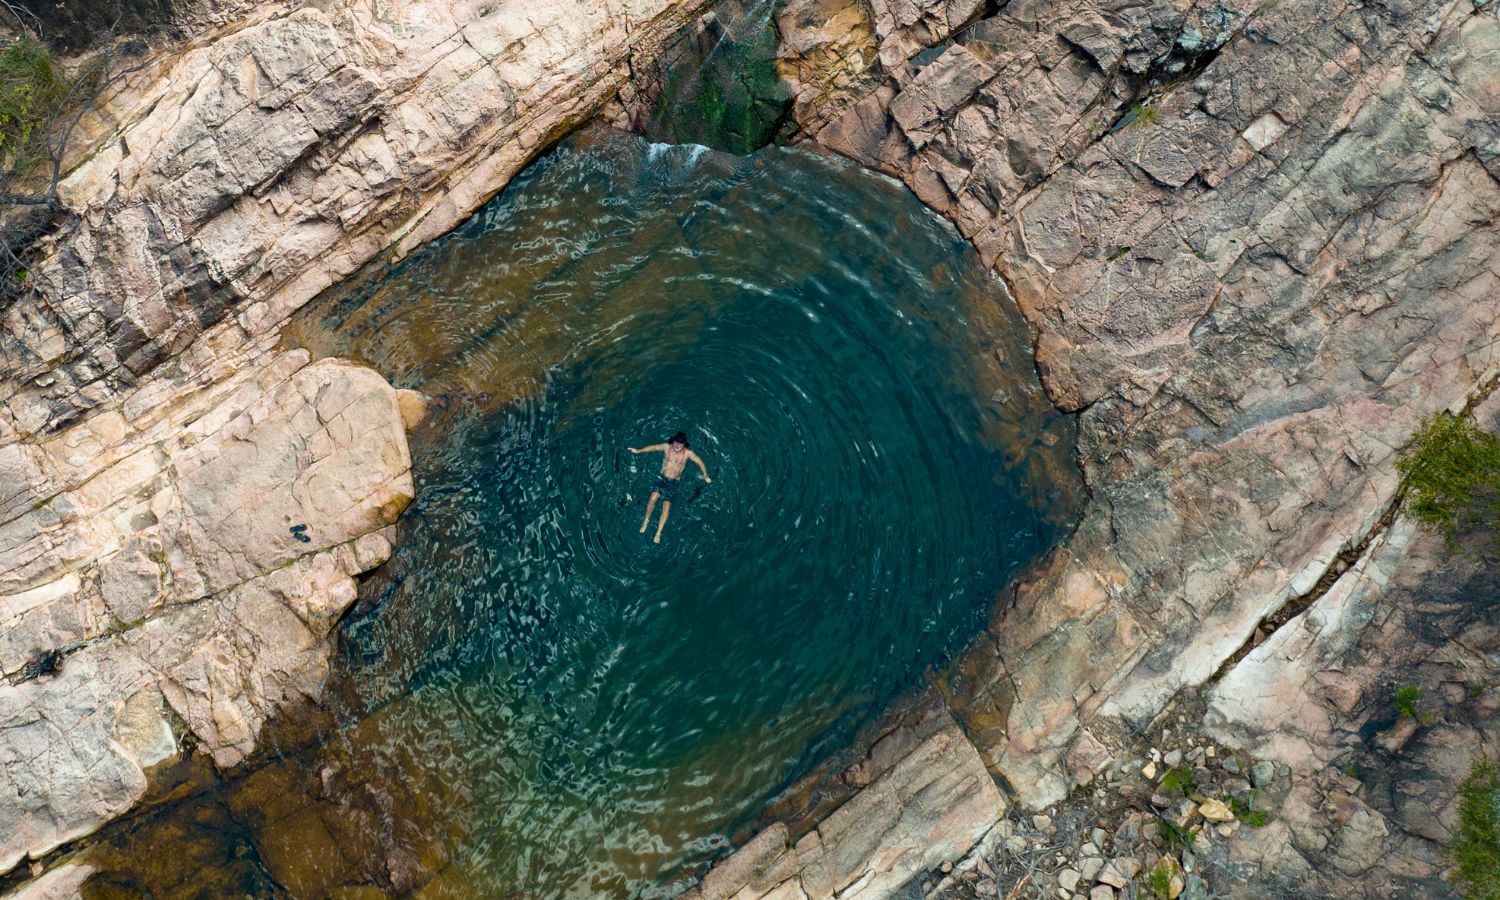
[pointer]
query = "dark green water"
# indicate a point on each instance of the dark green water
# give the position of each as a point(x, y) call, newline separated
point(577, 710)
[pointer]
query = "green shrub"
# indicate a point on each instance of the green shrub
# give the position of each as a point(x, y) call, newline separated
point(1451, 471)
point(31, 92)
point(1406, 700)
point(1476, 842)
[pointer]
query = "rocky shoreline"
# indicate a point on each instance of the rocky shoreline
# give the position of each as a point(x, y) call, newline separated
point(185, 506)
point(1256, 241)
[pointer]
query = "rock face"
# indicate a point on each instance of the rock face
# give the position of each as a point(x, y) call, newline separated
point(1258, 243)
point(929, 801)
point(183, 507)
point(168, 586)
point(232, 180)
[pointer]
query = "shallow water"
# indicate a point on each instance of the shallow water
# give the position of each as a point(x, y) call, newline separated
point(537, 696)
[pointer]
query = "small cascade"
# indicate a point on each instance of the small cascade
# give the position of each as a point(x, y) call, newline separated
point(721, 88)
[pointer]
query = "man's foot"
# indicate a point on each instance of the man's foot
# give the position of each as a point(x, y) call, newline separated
point(644, 524)
point(657, 539)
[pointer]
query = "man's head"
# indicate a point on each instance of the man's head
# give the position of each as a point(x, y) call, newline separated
point(679, 441)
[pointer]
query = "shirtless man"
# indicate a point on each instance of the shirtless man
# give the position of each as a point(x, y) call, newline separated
point(678, 456)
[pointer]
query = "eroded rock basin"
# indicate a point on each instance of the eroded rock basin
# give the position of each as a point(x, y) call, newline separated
point(533, 696)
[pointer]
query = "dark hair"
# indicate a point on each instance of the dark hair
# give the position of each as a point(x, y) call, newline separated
point(679, 438)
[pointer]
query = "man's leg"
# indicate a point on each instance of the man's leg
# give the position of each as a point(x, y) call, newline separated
point(650, 505)
point(666, 510)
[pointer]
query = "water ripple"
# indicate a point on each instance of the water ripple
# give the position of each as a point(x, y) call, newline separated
point(602, 707)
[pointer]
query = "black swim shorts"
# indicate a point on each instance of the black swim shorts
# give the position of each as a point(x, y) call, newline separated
point(667, 487)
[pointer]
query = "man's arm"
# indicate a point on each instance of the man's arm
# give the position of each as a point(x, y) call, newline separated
point(701, 467)
point(654, 448)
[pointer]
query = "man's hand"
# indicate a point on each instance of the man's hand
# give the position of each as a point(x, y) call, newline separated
point(635, 451)
point(707, 480)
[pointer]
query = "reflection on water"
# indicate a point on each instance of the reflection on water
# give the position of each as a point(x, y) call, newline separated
point(537, 699)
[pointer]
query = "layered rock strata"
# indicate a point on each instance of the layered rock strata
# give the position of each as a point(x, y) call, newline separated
point(1258, 242)
point(925, 798)
point(183, 508)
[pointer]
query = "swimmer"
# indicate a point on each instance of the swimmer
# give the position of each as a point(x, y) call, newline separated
point(677, 457)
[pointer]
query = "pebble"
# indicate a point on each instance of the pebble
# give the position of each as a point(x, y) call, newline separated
point(1015, 844)
point(1088, 869)
point(1231, 765)
point(1172, 758)
point(1099, 834)
point(1089, 849)
point(947, 866)
point(1225, 829)
point(1068, 878)
point(1183, 813)
point(1149, 771)
point(1112, 874)
point(1041, 823)
point(1215, 810)
point(1263, 773)
point(1102, 892)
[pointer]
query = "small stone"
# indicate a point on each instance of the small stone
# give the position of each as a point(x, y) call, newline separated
point(1098, 835)
point(1184, 814)
point(1231, 764)
point(1148, 772)
point(1089, 848)
point(1015, 844)
point(947, 866)
point(1041, 823)
point(1172, 758)
point(1263, 773)
point(1195, 755)
point(1089, 869)
point(1161, 801)
point(1068, 878)
point(1215, 810)
point(1225, 829)
point(1209, 751)
point(1102, 892)
point(1064, 894)
point(1114, 874)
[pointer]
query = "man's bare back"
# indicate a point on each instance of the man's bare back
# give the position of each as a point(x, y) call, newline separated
point(676, 456)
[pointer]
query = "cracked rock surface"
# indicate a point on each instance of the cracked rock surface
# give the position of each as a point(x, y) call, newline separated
point(1258, 242)
point(183, 505)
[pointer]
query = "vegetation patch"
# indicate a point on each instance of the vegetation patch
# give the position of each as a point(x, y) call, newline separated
point(1180, 778)
point(1245, 811)
point(32, 90)
point(1451, 471)
point(1140, 114)
point(1476, 843)
point(1406, 700)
